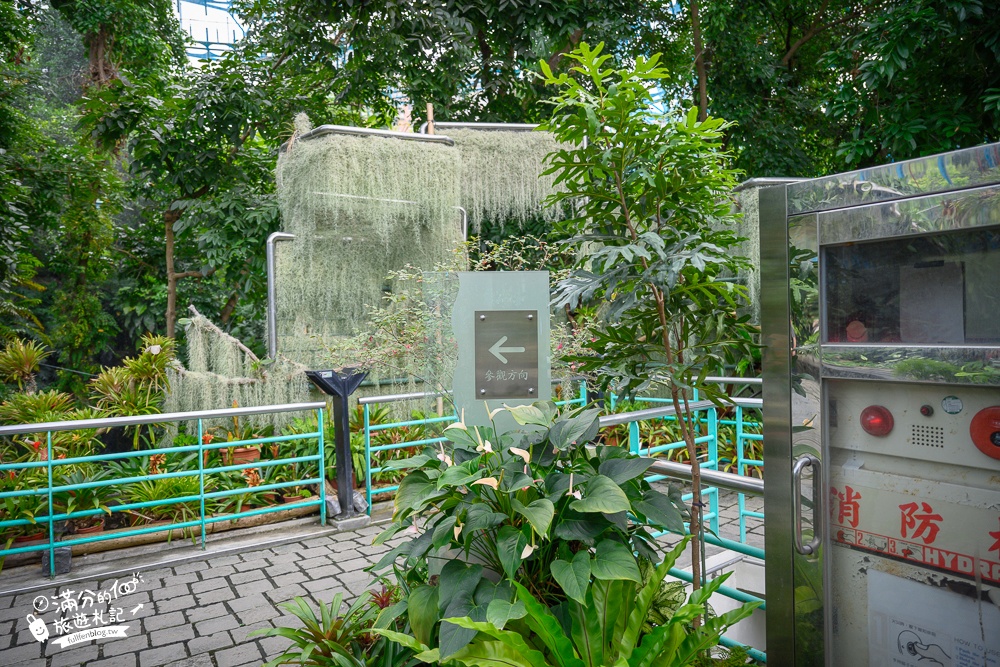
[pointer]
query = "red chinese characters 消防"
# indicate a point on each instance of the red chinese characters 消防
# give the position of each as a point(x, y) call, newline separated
point(848, 508)
point(919, 525)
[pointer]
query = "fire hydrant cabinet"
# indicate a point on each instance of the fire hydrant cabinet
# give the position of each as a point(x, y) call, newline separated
point(881, 321)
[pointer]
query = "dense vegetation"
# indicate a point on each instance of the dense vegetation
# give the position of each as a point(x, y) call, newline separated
point(133, 182)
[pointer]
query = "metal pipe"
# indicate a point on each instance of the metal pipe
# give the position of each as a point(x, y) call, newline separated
point(715, 379)
point(323, 130)
point(649, 413)
point(272, 304)
point(766, 181)
point(508, 127)
point(393, 398)
point(723, 480)
point(110, 422)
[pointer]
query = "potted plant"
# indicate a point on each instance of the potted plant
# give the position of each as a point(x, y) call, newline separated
point(244, 453)
point(26, 507)
point(513, 529)
point(88, 498)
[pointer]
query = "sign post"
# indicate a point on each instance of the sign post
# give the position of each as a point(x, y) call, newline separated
point(501, 324)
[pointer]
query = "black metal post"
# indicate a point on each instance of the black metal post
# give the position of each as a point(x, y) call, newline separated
point(340, 385)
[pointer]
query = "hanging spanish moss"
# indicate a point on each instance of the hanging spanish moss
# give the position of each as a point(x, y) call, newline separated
point(360, 207)
point(223, 372)
point(502, 179)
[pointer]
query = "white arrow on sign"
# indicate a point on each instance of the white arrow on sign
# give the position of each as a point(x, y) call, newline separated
point(498, 351)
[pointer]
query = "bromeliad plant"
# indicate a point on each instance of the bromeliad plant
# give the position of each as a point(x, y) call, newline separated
point(497, 519)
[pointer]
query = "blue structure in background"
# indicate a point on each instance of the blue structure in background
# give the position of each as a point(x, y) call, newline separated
point(211, 26)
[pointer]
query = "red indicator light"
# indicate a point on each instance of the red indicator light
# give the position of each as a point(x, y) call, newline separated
point(985, 431)
point(877, 421)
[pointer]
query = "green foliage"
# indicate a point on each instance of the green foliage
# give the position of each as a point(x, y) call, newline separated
point(336, 639)
point(523, 507)
point(19, 362)
point(899, 98)
point(602, 626)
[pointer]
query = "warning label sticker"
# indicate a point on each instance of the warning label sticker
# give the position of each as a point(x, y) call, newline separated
point(931, 532)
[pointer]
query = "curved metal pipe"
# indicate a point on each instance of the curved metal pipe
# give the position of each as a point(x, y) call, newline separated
point(371, 132)
point(272, 306)
point(504, 127)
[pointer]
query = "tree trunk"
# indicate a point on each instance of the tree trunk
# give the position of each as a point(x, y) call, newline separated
point(169, 218)
point(699, 62)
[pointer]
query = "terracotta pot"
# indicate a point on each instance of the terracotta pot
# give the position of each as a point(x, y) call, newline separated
point(34, 537)
point(88, 530)
point(240, 455)
point(271, 498)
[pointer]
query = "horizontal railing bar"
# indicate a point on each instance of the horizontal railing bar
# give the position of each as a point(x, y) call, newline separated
point(138, 420)
point(263, 510)
point(409, 443)
point(753, 653)
point(395, 398)
point(413, 422)
point(649, 413)
point(716, 379)
point(733, 593)
point(725, 480)
point(262, 488)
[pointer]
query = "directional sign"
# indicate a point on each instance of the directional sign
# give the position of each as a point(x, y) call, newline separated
point(506, 353)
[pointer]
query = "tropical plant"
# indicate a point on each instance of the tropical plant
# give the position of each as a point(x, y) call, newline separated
point(654, 216)
point(601, 625)
point(520, 507)
point(20, 361)
point(333, 638)
point(88, 498)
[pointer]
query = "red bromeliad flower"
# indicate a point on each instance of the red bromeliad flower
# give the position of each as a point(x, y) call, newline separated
point(207, 439)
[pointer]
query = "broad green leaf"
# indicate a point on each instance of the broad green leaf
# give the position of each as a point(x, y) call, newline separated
point(498, 612)
point(422, 608)
point(527, 414)
point(585, 628)
point(481, 517)
point(405, 464)
point(538, 513)
point(645, 598)
point(622, 470)
point(660, 510)
point(577, 430)
point(460, 475)
point(415, 490)
point(614, 560)
point(457, 578)
point(511, 639)
point(547, 628)
point(401, 638)
point(491, 654)
point(602, 495)
point(443, 532)
point(510, 544)
point(573, 576)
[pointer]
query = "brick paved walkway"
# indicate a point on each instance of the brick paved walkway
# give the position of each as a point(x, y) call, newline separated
point(198, 613)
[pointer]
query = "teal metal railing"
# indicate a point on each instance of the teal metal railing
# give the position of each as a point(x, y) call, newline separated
point(49, 517)
point(368, 429)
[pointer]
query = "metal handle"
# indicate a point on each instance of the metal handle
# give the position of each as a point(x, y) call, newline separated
point(801, 464)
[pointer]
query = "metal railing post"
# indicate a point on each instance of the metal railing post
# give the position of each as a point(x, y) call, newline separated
point(51, 508)
point(201, 478)
point(322, 466)
point(368, 457)
point(633, 438)
point(713, 455)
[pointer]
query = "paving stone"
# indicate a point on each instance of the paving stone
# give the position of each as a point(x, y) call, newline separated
point(218, 595)
point(323, 572)
point(244, 577)
point(194, 661)
point(187, 578)
point(6, 601)
point(250, 565)
point(207, 612)
point(219, 561)
point(210, 643)
point(343, 546)
point(161, 621)
point(74, 656)
point(213, 625)
point(238, 655)
point(24, 652)
point(313, 563)
point(320, 589)
point(281, 567)
point(155, 657)
point(282, 549)
point(173, 604)
point(38, 662)
point(285, 593)
point(172, 591)
point(273, 646)
point(124, 660)
point(256, 614)
point(354, 564)
point(180, 633)
point(195, 566)
point(288, 579)
point(127, 645)
point(216, 572)
point(250, 601)
point(314, 552)
point(209, 585)
point(241, 635)
point(323, 541)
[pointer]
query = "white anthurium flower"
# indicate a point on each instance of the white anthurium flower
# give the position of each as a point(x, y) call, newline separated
point(443, 457)
point(485, 447)
point(457, 530)
point(493, 413)
point(523, 453)
point(575, 494)
point(491, 482)
point(412, 530)
point(527, 551)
